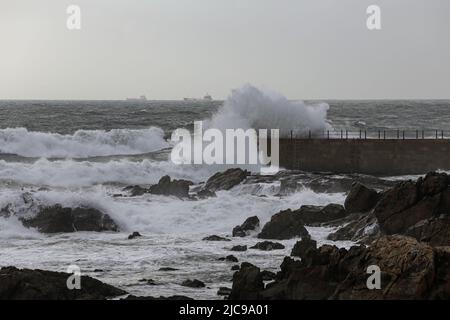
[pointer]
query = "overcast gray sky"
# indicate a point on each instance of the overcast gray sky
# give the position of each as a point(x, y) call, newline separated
point(170, 49)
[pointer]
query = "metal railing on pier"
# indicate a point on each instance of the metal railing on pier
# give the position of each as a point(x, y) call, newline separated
point(367, 134)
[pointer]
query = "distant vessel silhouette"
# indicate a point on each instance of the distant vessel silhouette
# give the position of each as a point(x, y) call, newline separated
point(206, 98)
point(140, 99)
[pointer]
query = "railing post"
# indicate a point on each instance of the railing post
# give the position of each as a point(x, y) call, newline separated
point(379, 134)
point(365, 134)
point(398, 134)
point(342, 134)
point(309, 134)
point(384, 134)
point(328, 134)
point(360, 134)
point(403, 133)
point(423, 134)
point(436, 134)
point(417, 134)
point(291, 134)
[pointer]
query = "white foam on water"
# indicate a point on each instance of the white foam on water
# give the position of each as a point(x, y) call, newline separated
point(82, 144)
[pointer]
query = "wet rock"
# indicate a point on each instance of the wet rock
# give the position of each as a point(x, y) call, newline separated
point(316, 215)
point(433, 183)
point(229, 258)
point(167, 269)
point(360, 198)
point(235, 267)
point(249, 224)
point(268, 246)
point(434, 231)
point(26, 284)
point(360, 227)
point(193, 283)
point(409, 270)
point(135, 191)
point(224, 291)
point(149, 282)
point(168, 187)
point(247, 283)
point(303, 247)
point(268, 275)
point(215, 238)
point(204, 194)
point(134, 235)
point(239, 248)
point(284, 225)
point(56, 219)
point(287, 186)
point(226, 180)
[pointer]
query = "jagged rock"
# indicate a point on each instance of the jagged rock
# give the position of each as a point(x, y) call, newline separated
point(226, 180)
point(268, 275)
point(215, 238)
point(247, 283)
point(57, 219)
point(26, 284)
point(409, 270)
point(235, 267)
point(135, 191)
point(287, 187)
point(268, 246)
point(166, 187)
point(249, 224)
point(284, 225)
point(239, 248)
point(360, 198)
point(167, 269)
point(204, 194)
point(193, 283)
point(361, 228)
point(223, 291)
point(314, 215)
point(302, 247)
point(433, 183)
point(434, 231)
point(134, 235)
point(229, 258)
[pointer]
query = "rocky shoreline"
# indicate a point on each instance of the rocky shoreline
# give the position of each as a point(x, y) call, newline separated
point(401, 227)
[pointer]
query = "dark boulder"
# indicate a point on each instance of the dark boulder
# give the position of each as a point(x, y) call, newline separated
point(434, 231)
point(268, 246)
point(135, 191)
point(316, 215)
point(134, 235)
point(168, 187)
point(235, 267)
point(193, 283)
point(239, 248)
point(205, 194)
point(360, 198)
point(268, 275)
point(57, 219)
point(226, 180)
point(224, 291)
point(284, 225)
point(303, 247)
point(26, 284)
point(167, 269)
point(215, 238)
point(247, 283)
point(249, 224)
point(229, 258)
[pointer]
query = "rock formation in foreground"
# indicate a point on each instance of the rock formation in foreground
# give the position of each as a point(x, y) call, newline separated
point(409, 270)
point(25, 284)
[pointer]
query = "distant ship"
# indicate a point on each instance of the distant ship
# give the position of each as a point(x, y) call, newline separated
point(206, 98)
point(140, 99)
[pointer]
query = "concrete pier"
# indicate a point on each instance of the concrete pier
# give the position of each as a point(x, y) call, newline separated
point(382, 157)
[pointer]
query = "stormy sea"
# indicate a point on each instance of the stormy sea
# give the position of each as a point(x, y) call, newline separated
point(94, 154)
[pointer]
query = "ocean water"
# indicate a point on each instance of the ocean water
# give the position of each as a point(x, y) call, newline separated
point(84, 152)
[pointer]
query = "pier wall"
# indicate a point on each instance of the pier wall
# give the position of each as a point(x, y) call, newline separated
point(367, 156)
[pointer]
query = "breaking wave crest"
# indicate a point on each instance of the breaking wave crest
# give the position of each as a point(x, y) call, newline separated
point(82, 144)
